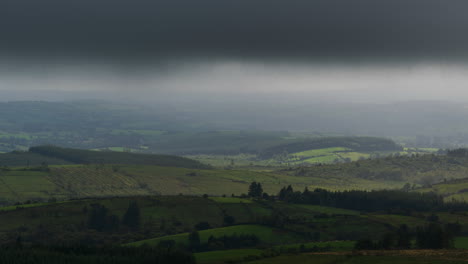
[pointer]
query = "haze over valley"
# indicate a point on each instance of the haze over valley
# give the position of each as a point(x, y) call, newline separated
point(247, 131)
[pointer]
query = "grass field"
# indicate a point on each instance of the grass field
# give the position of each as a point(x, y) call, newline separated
point(20, 135)
point(461, 242)
point(81, 181)
point(221, 256)
point(350, 259)
point(312, 156)
point(326, 155)
point(265, 234)
point(398, 220)
point(458, 197)
point(448, 188)
point(422, 170)
point(320, 152)
point(16, 207)
point(19, 184)
point(421, 150)
point(455, 189)
point(137, 132)
point(230, 200)
point(326, 210)
point(335, 246)
point(173, 217)
point(233, 161)
point(97, 180)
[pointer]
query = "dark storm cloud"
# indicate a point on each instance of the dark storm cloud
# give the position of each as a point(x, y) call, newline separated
point(244, 28)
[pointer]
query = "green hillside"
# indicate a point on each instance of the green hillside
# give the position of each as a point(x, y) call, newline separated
point(418, 170)
point(453, 189)
point(101, 180)
point(79, 156)
point(67, 180)
point(416, 258)
point(267, 235)
point(358, 144)
point(306, 233)
point(52, 155)
point(26, 158)
point(172, 217)
point(128, 174)
point(326, 155)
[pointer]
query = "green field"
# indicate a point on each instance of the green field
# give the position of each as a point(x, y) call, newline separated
point(70, 180)
point(142, 132)
point(234, 161)
point(458, 197)
point(447, 188)
point(327, 210)
point(398, 220)
point(303, 150)
point(222, 256)
point(461, 242)
point(324, 259)
point(75, 181)
point(341, 154)
point(173, 217)
point(455, 189)
point(335, 246)
point(169, 217)
point(320, 152)
point(230, 200)
point(20, 135)
point(153, 174)
point(133, 183)
point(420, 150)
point(266, 235)
point(327, 155)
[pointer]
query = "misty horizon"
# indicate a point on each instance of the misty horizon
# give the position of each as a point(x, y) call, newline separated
point(361, 51)
point(360, 83)
point(218, 56)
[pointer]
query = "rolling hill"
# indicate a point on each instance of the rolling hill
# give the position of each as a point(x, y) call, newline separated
point(359, 144)
point(52, 155)
point(68, 173)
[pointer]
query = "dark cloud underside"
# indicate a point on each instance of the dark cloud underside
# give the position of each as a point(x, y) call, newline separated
point(274, 28)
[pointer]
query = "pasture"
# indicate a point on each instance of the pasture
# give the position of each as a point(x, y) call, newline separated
point(357, 259)
point(98, 180)
point(326, 210)
point(461, 242)
point(222, 256)
point(267, 235)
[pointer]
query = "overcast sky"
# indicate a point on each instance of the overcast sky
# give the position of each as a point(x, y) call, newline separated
point(359, 50)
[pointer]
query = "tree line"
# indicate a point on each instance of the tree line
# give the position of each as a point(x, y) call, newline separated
point(393, 201)
point(18, 254)
point(431, 236)
point(100, 218)
point(217, 243)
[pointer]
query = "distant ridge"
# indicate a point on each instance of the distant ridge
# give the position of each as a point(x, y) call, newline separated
point(354, 143)
point(53, 155)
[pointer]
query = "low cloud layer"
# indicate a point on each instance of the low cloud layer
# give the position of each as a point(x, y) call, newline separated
point(242, 28)
point(241, 81)
point(355, 50)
